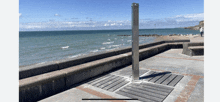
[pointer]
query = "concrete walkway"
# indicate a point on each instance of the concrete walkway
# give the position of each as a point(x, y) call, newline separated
point(190, 88)
point(192, 38)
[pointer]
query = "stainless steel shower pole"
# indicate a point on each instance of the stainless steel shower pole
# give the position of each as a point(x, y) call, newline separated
point(135, 41)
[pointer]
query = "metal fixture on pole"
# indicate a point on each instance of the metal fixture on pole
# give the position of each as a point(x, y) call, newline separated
point(135, 41)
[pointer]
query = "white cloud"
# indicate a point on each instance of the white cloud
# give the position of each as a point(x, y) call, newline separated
point(198, 15)
point(69, 24)
point(106, 24)
point(56, 14)
point(170, 22)
point(113, 24)
point(20, 14)
point(189, 17)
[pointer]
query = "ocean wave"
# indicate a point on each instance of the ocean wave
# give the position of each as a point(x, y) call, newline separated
point(109, 39)
point(128, 40)
point(111, 46)
point(102, 48)
point(95, 50)
point(104, 43)
point(75, 56)
point(112, 49)
point(115, 45)
point(41, 63)
point(107, 50)
point(65, 47)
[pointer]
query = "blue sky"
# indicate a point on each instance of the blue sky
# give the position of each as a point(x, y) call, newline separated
point(107, 14)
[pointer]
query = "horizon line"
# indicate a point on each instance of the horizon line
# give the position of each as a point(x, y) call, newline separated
point(97, 29)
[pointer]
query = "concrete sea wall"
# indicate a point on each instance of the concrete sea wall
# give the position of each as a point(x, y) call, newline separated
point(38, 82)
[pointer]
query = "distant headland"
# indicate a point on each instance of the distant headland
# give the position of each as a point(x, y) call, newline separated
point(201, 24)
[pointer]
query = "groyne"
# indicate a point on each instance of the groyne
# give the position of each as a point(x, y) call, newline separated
point(41, 81)
point(145, 35)
point(156, 35)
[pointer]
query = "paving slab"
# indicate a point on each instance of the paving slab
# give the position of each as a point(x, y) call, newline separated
point(198, 94)
point(72, 95)
point(172, 60)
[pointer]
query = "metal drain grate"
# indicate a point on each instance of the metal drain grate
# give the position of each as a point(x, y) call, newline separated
point(165, 78)
point(109, 82)
point(146, 92)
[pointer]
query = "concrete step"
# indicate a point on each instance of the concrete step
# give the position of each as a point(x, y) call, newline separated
point(196, 47)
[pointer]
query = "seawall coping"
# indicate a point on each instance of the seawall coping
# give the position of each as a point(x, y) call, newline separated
point(40, 79)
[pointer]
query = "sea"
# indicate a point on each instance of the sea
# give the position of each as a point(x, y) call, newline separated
point(37, 47)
